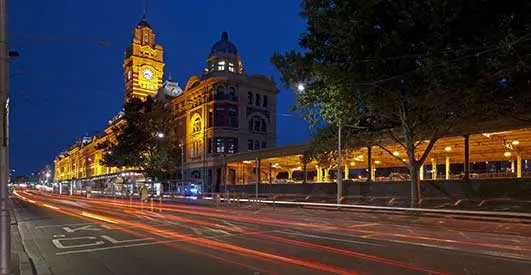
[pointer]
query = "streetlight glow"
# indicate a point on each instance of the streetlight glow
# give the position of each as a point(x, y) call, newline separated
point(507, 154)
point(160, 135)
point(300, 87)
point(448, 149)
point(396, 153)
point(515, 142)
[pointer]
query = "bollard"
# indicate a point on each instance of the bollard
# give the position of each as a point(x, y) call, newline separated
point(160, 203)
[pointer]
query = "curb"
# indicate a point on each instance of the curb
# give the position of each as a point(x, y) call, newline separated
point(22, 264)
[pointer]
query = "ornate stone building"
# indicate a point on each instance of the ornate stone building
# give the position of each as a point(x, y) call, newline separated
point(224, 111)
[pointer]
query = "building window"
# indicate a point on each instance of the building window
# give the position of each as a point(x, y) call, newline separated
point(265, 102)
point(250, 145)
point(256, 145)
point(221, 65)
point(257, 124)
point(263, 144)
point(231, 145)
point(257, 101)
point(231, 67)
point(250, 98)
point(210, 118)
point(220, 145)
point(220, 93)
point(233, 116)
point(232, 94)
point(196, 125)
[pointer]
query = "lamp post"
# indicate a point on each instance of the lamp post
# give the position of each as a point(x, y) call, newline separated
point(339, 176)
point(181, 146)
point(5, 223)
point(301, 88)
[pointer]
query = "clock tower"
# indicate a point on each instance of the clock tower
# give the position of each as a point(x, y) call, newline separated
point(143, 64)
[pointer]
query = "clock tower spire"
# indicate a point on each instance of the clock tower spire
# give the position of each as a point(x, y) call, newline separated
point(143, 63)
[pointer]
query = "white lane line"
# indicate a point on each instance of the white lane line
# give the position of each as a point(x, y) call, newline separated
point(365, 224)
point(487, 253)
point(60, 225)
point(327, 238)
point(112, 247)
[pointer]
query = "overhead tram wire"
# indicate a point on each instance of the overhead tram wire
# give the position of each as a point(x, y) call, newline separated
point(83, 40)
point(488, 49)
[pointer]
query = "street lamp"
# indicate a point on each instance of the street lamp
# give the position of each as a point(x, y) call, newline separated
point(160, 135)
point(301, 88)
point(181, 146)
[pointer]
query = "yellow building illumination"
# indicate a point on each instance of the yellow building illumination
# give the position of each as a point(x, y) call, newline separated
point(143, 64)
point(143, 72)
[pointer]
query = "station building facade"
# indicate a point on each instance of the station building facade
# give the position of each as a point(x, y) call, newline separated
point(222, 111)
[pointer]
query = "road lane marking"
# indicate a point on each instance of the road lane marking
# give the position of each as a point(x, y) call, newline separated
point(112, 247)
point(115, 241)
point(88, 227)
point(487, 253)
point(326, 238)
point(59, 242)
point(60, 225)
point(365, 224)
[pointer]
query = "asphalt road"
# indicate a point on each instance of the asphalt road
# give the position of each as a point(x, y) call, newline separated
point(74, 235)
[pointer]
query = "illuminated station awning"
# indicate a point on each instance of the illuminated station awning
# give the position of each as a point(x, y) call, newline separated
point(504, 146)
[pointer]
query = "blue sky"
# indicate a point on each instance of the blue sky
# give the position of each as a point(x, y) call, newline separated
point(64, 85)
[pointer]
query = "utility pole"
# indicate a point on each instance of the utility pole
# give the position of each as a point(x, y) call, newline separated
point(5, 223)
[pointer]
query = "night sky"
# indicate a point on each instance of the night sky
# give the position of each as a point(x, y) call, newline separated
point(64, 85)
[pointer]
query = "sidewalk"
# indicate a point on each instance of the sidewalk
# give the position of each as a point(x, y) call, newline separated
point(21, 262)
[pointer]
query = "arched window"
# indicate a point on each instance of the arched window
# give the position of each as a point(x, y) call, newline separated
point(232, 94)
point(221, 93)
point(196, 125)
point(221, 65)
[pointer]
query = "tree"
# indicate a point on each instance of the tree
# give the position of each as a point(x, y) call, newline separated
point(412, 70)
point(144, 139)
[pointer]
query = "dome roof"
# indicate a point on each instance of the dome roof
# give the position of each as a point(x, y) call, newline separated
point(224, 46)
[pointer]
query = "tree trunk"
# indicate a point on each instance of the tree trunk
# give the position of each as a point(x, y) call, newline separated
point(415, 185)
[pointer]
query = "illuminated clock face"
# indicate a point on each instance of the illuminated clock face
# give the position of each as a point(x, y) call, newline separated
point(148, 74)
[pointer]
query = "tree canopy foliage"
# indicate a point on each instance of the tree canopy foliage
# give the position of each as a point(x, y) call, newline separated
point(411, 69)
point(144, 140)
